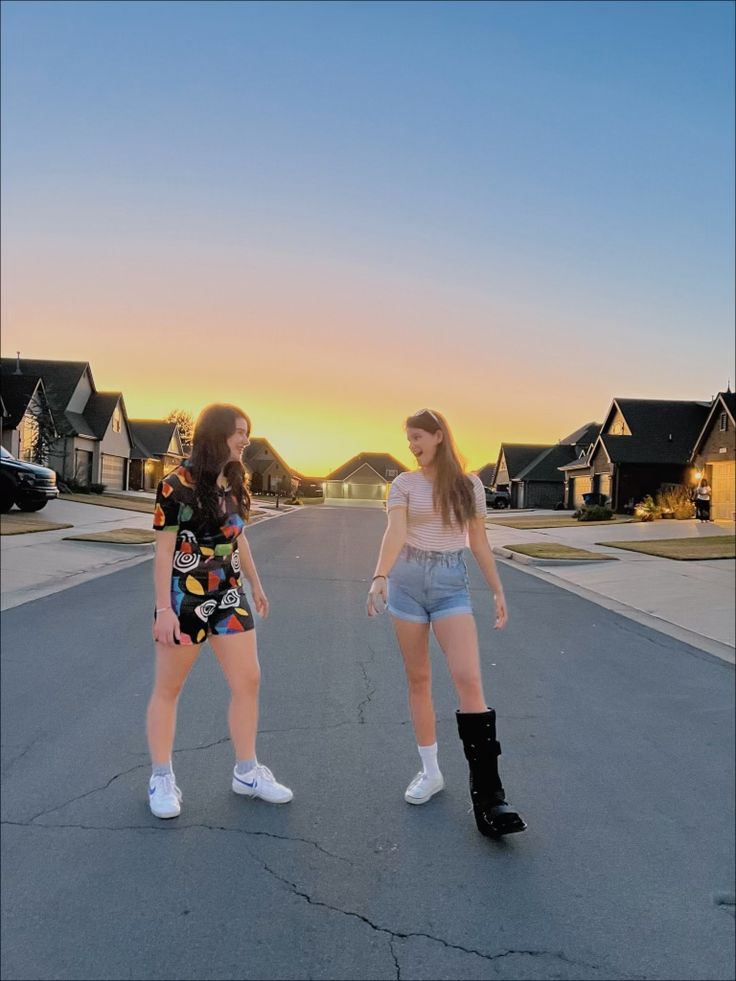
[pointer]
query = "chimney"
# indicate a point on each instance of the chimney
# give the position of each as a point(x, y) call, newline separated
point(17, 363)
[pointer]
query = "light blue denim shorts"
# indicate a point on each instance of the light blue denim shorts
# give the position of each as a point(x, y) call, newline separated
point(426, 586)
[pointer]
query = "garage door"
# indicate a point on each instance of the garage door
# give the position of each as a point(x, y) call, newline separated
point(113, 471)
point(723, 502)
point(583, 485)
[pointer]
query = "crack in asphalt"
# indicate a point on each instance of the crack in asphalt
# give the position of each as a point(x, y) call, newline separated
point(370, 692)
point(166, 829)
point(391, 943)
point(399, 935)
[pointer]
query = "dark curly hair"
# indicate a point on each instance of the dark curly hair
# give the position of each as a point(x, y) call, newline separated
point(211, 454)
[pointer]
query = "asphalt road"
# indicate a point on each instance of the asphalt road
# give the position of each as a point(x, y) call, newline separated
point(618, 748)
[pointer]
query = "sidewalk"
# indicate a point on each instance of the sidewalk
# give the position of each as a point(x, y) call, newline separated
point(40, 563)
point(692, 601)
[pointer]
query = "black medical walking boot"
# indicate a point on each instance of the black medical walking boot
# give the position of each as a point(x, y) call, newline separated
point(493, 815)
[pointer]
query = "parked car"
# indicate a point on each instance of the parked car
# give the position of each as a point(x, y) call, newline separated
point(497, 499)
point(28, 485)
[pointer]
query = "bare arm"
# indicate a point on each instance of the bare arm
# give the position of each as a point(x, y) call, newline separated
point(483, 555)
point(248, 569)
point(166, 625)
point(393, 541)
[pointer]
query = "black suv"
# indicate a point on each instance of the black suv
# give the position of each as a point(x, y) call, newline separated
point(497, 499)
point(26, 484)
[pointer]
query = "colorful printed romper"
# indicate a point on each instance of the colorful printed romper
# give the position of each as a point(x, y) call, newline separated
point(206, 590)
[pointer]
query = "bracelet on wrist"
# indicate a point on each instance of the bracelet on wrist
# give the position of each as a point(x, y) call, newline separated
point(162, 609)
point(377, 577)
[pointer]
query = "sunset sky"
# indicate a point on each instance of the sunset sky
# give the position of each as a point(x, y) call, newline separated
point(334, 214)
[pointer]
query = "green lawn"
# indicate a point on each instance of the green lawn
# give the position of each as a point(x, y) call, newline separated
point(684, 549)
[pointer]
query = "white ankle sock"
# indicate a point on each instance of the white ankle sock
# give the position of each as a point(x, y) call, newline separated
point(429, 759)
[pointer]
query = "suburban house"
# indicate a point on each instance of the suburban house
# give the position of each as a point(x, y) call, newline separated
point(268, 472)
point(487, 474)
point(93, 444)
point(364, 479)
point(714, 456)
point(24, 404)
point(642, 444)
point(156, 450)
point(531, 472)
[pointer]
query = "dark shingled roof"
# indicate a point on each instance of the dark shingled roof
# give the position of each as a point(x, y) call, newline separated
point(18, 390)
point(60, 378)
point(662, 431)
point(99, 409)
point(151, 437)
point(381, 462)
point(518, 456)
point(487, 474)
point(546, 466)
point(583, 436)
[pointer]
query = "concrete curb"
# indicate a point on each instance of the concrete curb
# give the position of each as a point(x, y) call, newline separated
point(506, 553)
point(700, 642)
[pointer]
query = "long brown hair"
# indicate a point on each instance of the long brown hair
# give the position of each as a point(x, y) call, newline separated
point(452, 491)
point(211, 454)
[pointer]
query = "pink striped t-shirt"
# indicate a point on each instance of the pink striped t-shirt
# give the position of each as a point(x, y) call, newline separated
point(425, 529)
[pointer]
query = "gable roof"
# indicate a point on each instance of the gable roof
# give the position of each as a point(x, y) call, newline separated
point(17, 392)
point(151, 438)
point(723, 402)
point(99, 409)
point(256, 462)
point(518, 456)
point(487, 474)
point(662, 430)
point(60, 379)
point(380, 462)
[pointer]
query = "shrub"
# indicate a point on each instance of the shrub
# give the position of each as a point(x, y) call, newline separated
point(596, 512)
point(676, 499)
point(647, 509)
point(96, 488)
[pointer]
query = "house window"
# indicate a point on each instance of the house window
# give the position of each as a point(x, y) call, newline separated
point(724, 423)
point(116, 421)
point(392, 473)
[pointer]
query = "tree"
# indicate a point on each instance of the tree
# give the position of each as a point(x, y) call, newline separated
point(185, 422)
point(44, 430)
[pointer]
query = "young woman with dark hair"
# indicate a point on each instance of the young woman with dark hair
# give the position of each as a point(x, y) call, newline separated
point(201, 553)
point(433, 513)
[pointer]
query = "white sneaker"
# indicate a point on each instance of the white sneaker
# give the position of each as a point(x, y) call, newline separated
point(260, 782)
point(164, 797)
point(423, 787)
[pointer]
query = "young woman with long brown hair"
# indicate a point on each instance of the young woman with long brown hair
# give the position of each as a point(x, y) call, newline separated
point(433, 513)
point(201, 553)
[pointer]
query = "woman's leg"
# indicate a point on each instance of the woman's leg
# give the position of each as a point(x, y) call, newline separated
point(173, 664)
point(458, 637)
point(238, 657)
point(413, 641)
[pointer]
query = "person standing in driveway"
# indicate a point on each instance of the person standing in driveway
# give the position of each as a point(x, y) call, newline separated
point(201, 553)
point(433, 513)
point(702, 500)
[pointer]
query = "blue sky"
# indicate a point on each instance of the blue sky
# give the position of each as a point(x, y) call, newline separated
point(475, 199)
